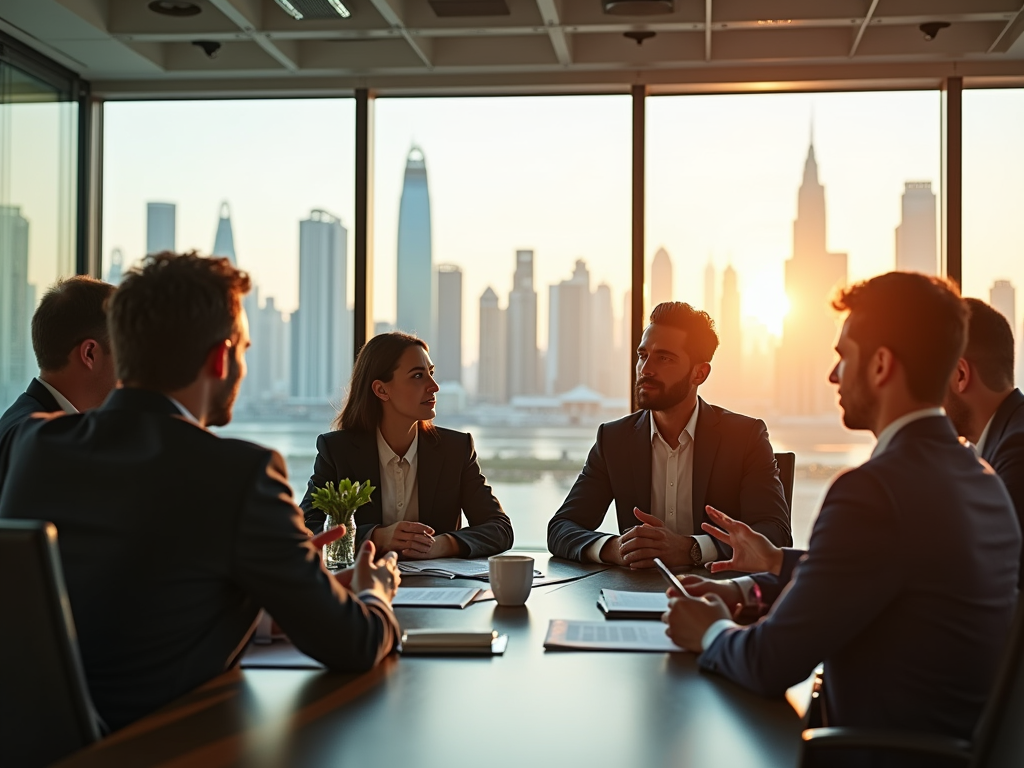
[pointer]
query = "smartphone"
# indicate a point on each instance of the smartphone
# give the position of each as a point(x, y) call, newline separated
point(670, 577)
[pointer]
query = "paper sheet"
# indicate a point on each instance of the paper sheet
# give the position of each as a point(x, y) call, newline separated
point(606, 636)
point(435, 597)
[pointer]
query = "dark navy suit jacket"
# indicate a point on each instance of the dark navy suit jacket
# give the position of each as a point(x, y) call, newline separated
point(911, 637)
point(734, 470)
point(35, 399)
point(171, 540)
point(448, 478)
point(1004, 450)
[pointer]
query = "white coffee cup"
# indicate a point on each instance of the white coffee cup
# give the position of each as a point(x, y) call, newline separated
point(511, 578)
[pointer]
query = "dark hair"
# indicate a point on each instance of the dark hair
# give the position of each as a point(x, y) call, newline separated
point(990, 345)
point(921, 319)
point(701, 339)
point(168, 314)
point(72, 311)
point(377, 360)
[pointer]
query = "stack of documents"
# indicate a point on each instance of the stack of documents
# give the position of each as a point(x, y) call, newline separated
point(443, 643)
point(617, 604)
point(437, 597)
point(450, 568)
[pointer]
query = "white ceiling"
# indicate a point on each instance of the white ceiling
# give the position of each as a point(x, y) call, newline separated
point(401, 46)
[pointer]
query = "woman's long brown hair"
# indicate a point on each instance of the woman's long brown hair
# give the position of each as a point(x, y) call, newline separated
point(378, 359)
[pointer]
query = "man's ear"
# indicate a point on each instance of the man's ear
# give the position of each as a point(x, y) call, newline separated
point(961, 376)
point(882, 366)
point(217, 363)
point(86, 352)
point(700, 374)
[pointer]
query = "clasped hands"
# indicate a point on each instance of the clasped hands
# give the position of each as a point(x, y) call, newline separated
point(414, 541)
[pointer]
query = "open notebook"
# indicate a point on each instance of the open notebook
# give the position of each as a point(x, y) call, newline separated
point(618, 604)
point(450, 568)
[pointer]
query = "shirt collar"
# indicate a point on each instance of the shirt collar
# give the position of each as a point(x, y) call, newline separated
point(690, 428)
point(984, 434)
point(183, 410)
point(387, 455)
point(895, 426)
point(62, 401)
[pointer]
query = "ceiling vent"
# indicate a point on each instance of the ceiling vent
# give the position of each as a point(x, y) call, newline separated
point(449, 9)
point(315, 9)
point(639, 7)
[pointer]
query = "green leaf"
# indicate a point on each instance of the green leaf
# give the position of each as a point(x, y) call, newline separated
point(342, 502)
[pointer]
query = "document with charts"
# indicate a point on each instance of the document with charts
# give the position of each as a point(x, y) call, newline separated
point(436, 597)
point(604, 636)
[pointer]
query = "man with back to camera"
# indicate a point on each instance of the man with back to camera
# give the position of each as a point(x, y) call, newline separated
point(72, 348)
point(172, 538)
point(910, 638)
point(662, 464)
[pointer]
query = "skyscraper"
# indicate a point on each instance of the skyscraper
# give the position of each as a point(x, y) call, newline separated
point(322, 326)
point(915, 236)
point(728, 373)
point(568, 363)
point(521, 321)
point(491, 377)
point(627, 349)
point(224, 241)
point(269, 373)
point(116, 269)
point(415, 307)
point(808, 334)
point(448, 356)
point(709, 289)
point(17, 302)
point(661, 278)
point(1003, 296)
point(603, 363)
point(160, 227)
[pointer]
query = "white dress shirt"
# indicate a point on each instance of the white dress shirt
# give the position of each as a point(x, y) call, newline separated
point(671, 489)
point(62, 401)
point(746, 583)
point(399, 486)
point(980, 447)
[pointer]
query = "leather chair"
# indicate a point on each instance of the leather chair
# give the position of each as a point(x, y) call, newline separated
point(787, 472)
point(998, 740)
point(45, 709)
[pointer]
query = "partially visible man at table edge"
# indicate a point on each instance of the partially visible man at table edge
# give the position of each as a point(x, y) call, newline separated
point(885, 623)
point(72, 349)
point(172, 538)
point(661, 465)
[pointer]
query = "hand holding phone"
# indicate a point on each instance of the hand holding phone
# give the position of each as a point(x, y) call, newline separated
point(670, 577)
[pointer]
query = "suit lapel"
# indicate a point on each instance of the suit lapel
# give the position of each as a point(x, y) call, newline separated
point(42, 395)
point(430, 461)
point(641, 461)
point(1000, 419)
point(705, 446)
point(365, 463)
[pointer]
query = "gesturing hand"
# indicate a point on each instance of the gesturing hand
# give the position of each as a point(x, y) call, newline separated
point(751, 552)
point(381, 577)
point(641, 544)
point(688, 618)
point(404, 536)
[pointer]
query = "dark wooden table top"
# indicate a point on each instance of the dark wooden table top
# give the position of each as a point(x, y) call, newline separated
point(530, 707)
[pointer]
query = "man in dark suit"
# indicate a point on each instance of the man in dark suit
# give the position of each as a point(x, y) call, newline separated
point(72, 348)
point(910, 640)
point(172, 538)
point(983, 404)
point(664, 464)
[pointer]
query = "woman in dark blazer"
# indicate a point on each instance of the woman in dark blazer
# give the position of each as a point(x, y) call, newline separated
point(425, 477)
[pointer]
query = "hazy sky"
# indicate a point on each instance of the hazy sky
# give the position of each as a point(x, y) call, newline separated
point(553, 174)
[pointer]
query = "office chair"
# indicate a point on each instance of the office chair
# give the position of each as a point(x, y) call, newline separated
point(45, 708)
point(787, 472)
point(998, 739)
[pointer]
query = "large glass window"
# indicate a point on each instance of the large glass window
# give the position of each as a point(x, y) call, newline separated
point(38, 135)
point(269, 184)
point(993, 199)
point(757, 206)
point(502, 236)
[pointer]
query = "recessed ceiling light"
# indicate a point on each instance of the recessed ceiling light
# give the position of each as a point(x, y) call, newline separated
point(315, 9)
point(174, 8)
point(639, 7)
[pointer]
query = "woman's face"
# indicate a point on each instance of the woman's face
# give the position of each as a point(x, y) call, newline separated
point(410, 393)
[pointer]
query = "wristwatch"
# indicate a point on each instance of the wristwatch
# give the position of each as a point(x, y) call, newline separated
point(696, 554)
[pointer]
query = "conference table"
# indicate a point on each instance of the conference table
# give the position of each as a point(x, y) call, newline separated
point(526, 707)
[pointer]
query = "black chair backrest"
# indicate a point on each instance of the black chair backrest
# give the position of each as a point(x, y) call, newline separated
point(787, 472)
point(45, 709)
point(999, 737)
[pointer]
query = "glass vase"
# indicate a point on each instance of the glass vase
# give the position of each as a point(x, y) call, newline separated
point(340, 553)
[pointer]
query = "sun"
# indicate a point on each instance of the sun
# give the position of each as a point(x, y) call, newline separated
point(766, 304)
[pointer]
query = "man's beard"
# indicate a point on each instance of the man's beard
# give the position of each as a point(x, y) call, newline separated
point(860, 405)
point(224, 400)
point(663, 399)
point(958, 412)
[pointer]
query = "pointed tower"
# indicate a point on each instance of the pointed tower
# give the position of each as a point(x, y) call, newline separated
point(661, 278)
point(415, 308)
point(224, 242)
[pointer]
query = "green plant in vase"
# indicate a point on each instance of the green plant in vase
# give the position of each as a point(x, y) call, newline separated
point(340, 505)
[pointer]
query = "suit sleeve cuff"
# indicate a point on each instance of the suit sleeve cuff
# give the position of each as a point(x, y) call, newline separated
point(592, 554)
point(708, 550)
point(711, 633)
point(369, 596)
point(750, 590)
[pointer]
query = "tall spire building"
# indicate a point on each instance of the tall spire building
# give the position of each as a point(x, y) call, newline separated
point(491, 378)
point(916, 244)
point(809, 329)
point(521, 321)
point(416, 281)
point(224, 241)
point(661, 278)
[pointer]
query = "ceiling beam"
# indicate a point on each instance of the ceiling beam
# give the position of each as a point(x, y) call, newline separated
point(552, 23)
point(707, 30)
point(1018, 20)
point(385, 8)
point(249, 28)
point(863, 28)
